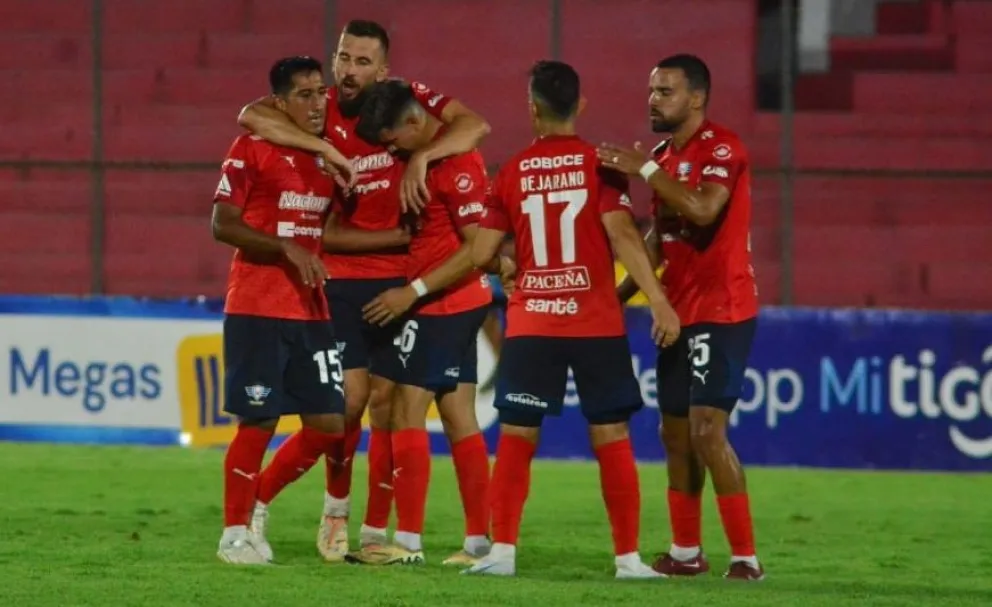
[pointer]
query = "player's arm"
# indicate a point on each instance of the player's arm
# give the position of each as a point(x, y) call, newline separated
point(628, 287)
point(262, 118)
point(228, 226)
point(339, 238)
point(466, 130)
point(633, 254)
point(700, 206)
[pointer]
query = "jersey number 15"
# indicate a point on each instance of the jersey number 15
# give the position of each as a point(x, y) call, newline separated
point(534, 207)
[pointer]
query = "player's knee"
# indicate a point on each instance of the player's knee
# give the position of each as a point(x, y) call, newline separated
point(380, 405)
point(327, 423)
point(268, 424)
point(707, 430)
point(512, 419)
point(606, 433)
point(675, 436)
point(530, 433)
point(458, 419)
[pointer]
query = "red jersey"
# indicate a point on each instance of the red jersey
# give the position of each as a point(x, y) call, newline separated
point(458, 187)
point(281, 192)
point(709, 276)
point(552, 196)
point(374, 204)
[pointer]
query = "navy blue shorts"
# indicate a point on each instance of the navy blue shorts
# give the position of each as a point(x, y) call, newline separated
point(705, 367)
point(362, 345)
point(275, 367)
point(439, 352)
point(533, 371)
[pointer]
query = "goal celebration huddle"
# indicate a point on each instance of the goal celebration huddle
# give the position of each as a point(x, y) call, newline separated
point(366, 233)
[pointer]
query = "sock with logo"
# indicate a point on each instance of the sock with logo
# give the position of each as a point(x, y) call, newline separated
point(380, 457)
point(735, 512)
point(341, 460)
point(411, 477)
point(471, 460)
point(241, 465)
point(292, 460)
point(510, 486)
point(621, 493)
point(685, 512)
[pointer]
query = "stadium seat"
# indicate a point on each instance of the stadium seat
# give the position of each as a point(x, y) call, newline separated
point(52, 16)
point(206, 50)
point(49, 191)
point(44, 50)
point(161, 193)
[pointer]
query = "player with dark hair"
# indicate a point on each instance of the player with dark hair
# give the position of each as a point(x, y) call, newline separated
point(566, 211)
point(437, 345)
point(280, 355)
point(701, 178)
point(366, 254)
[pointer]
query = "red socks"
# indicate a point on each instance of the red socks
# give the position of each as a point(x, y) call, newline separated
point(685, 514)
point(412, 472)
point(472, 468)
point(621, 493)
point(380, 457)
point(292, 460)
point(735, 512)
point(241, 465)
point(341, 461)
point(510, 486)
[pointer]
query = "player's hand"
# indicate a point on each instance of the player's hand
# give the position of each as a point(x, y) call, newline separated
point(414, 194)
point(311, 269)
point(337, 166)
point(507, 274)
point(389, 305)
point(625, 160)
point(665, 325)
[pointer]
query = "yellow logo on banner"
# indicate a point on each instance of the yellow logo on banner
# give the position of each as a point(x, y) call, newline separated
point(200, 362)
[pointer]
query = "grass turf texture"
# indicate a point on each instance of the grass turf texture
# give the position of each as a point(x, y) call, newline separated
point(139, 526)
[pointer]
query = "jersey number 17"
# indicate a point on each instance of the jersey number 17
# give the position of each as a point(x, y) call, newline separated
point(534, 207)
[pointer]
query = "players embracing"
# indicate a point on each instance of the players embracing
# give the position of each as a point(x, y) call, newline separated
point(701, 180)
point(366, 255)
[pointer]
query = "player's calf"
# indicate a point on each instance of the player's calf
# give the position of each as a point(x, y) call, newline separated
point(709, 439)
point(686, 478)
point(471, 460)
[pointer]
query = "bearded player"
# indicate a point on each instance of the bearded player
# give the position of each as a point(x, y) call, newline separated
point(366, 254)
point(701, 178)
point(567, 214)
point(280, 356)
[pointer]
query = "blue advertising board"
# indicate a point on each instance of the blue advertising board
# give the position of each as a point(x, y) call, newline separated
point(823, 388)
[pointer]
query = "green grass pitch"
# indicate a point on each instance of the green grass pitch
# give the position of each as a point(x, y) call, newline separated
point(107, 526)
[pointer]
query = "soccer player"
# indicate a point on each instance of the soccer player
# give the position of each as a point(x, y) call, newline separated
point(366, 254)
point(280, 356)
point(437, 346)
point(566, 211)
point(701, 179)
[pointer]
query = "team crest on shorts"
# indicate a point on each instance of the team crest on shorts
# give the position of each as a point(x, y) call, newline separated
point(257, 393)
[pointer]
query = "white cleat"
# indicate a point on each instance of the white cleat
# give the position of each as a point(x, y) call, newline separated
point(240, 552)
point(332, 538)
point(629, 569)
point(488, 565)
point(257, 529)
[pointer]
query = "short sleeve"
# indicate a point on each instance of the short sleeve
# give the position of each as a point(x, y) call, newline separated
point(494, 216)
point(237, 174)
point(433, 101)
point(614, 191)
point(723, 164)
point(462, 184)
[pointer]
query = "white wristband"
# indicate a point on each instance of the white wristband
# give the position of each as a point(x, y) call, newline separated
point(649, 168)
point(419, 287)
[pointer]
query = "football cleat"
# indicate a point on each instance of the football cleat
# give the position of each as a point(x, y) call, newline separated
point(462, 558)
point(740, 570)
point(488, 565)
point(386, 554)
point(240, 552)
point(636, 570)
point(671, 566)
point(332, 538)
point(256, 532)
